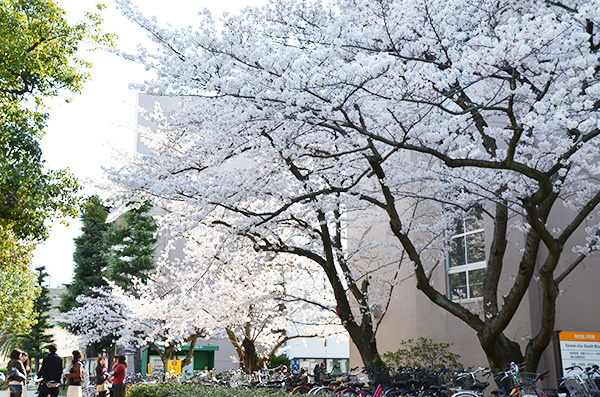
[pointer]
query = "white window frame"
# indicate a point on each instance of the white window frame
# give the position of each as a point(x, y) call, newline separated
point(466, 268)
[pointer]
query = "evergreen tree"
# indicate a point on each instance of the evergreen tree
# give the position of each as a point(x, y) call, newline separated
point(89, 255)
point(35, 341)
point(132, 239)
point(90, 265)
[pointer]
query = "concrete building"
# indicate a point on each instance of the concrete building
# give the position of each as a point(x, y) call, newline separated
point(55, 294)
point(65, 341)
point(411, 314)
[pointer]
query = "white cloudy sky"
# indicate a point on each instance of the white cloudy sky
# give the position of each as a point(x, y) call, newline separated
point(83, 135)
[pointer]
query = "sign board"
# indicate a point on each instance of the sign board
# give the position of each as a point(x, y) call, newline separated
point(295, 364)
point(155, 365)
point(175, 365)
point(129, 351)
point(579, 348)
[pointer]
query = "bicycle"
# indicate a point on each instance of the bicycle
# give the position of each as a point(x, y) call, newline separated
point(582, 384)
point(329, 385)
point(466, 384)
point(519, 384)
point(88, 391)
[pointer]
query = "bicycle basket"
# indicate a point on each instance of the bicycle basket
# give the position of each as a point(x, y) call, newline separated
point(527, 377)
point(504, 382)
point(593, 383)
point(383, 378)
point(574, 387)
point(432, 380)
point(464, 381)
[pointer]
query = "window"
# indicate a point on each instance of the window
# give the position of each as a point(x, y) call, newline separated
point(466, 258)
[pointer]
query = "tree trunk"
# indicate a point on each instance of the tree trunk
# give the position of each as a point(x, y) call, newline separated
point(251, 362)
point(368, 351)
point(190, 354)
point(501, 351)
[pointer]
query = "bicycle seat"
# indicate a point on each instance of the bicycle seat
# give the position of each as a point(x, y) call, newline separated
point(479, 386)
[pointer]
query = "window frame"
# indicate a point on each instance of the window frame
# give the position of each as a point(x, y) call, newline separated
point(467, 267)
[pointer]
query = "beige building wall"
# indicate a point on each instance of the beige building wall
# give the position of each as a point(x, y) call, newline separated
point(411, 314)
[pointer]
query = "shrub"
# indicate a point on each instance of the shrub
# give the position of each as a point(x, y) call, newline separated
point(424, 353)
point(179, 390)
point(276, 361)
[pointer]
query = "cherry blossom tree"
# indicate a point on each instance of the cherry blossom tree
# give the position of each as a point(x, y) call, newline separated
point(301, 121)
point(269, 304)
point(258, 303)
point(159, 313)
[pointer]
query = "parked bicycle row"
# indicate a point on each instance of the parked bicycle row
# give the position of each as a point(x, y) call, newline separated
point(480, 382)
point(406, 382)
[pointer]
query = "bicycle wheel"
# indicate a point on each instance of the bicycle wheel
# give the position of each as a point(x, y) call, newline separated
point(300, 390)
point(394, 392)
point(322, 391)
point(466, 394)
point(349, 392)
point(88, 391)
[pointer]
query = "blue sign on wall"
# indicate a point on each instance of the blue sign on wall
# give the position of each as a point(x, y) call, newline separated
point(295, 364)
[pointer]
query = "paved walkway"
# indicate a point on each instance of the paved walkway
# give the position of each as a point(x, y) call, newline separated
point(30, 393)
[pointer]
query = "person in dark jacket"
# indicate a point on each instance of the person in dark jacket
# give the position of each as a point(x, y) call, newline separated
point(102, 376)
point(317, 374)
point(51, 373)
point(15, 385)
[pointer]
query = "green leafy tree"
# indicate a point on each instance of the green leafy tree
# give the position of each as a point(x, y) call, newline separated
point(37, 61)
point(35, 341)
point(18, 283)
point(132, 239)
point(423, 353)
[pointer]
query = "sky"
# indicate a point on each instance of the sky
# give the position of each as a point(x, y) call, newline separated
point(98, 124)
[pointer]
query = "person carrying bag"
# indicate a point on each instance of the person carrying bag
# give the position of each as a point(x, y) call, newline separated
point(16, 374)
point(75, 376)
point(51, 373)
point(102, 376)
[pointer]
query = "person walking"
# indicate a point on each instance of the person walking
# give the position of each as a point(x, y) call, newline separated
point(102, 376)
point(323, 372)
point(303, 376)
point(118, 376)
point(51, 373)
point(317, 374)
point(15, 381)
point(25, 361)
point(75, 376)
